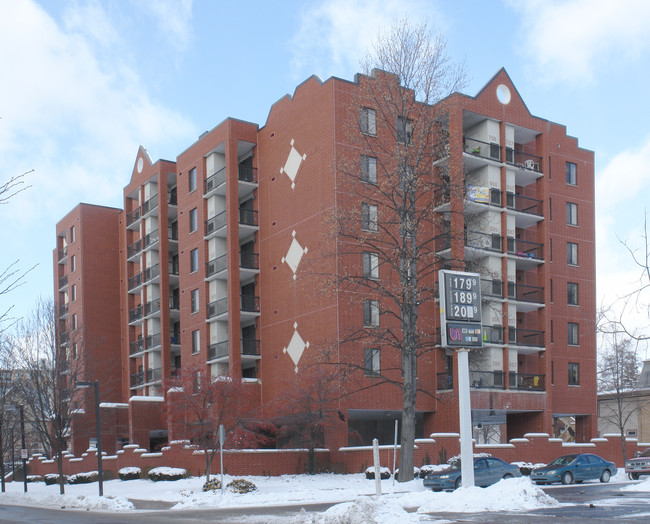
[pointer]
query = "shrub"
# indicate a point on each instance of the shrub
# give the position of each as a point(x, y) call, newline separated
point(130, 473)
point(163, 473)
point(84, 478)
point(34, 478)
point(241, 486)
point(53, 478)
point(212, 485)
point(384, 473)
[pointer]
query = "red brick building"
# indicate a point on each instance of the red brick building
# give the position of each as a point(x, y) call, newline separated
point(232, 258)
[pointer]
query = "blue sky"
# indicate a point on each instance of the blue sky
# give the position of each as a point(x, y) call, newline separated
point(86, 82)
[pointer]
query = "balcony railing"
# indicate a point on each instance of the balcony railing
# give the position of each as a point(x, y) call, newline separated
point(135, 314)
point(485, 241)
point(63, 253)
point(525, 248)
point(525, 337)
point(250, 303)
point(149, 239)
point(142, 344)
point(247, 217)
point(524, 160)
point(486, 379)
point(493, 334)
point(482, 149)
point(248, 174)
point(215, 223)
point(63, 310)
point(152, 307)
point(64, 337)
point(145, 377)
point(216, 265)
point(218, 307)
point(524, 293)
point(172, 233)
point(135, 281)
point(250, 346)
point(133, 216)
point(527, 381)
point(150, 273)
point(218, 350)
point(134, 248)
point(63, 281)
point(523, 204)
point(249, 260)
point(150, 205)
point(215, 180)
point(444, 381)
point(491, 288)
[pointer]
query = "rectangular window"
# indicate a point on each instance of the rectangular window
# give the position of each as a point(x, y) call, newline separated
point(74, 351)
point(194, 260)
point(372, 362)
point(191, 179)
point(552, 373)
point(404, 130)
point(74, 321)
point(72, 234)
point(574, 374)
point(370, 265)
point(368, 217)
point(572, 253)
point(196, 382)
point(371, 313)
point(572, 334)
point(572, 293)
point(550, 249)
point(73, 292)
point(368, 121)
point(369, 169)
point(551, 289)
point(195, 301)
point(73, 264)
point(194, 220)
point(550, 209)
point(552, 332)
point(571, 176)
point(571, 214)
point(196, 341)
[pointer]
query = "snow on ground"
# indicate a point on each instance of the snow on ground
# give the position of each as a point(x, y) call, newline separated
point(353, 493)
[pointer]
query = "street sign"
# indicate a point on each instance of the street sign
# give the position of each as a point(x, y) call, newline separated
point(460, 309)
point(24, 455)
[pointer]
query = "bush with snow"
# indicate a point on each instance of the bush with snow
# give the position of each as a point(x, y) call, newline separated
point(53, 478)
point(241, 486)
point(129, 473)
point(34, 478)
point(384, 473)
point(83, 478)
point(212, 485)
point(164, 473)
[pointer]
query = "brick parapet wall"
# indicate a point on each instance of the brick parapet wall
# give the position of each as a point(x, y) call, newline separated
point(534, 448)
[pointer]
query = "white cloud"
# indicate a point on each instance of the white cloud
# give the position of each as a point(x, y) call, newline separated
point(173, 17)
point(569, 40)
point(334, 35)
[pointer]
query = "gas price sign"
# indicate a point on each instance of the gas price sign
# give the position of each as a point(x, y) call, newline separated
point(460, 308)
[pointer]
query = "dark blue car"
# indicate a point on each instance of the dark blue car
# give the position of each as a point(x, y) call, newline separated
point(574, 468)
point(487, 471)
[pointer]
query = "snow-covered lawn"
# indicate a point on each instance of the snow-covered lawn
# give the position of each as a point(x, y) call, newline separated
point(354, 493)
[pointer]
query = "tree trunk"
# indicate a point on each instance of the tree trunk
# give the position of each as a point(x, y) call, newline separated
point(208, 461)
point(59, 466)
point(407, 440)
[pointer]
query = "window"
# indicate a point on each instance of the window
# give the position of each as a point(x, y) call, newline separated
point(73, 292)
point(369, 169)
point(195, 301)
point(194, 220)
point(196, 382)
point(572, 293)
point(574, 374)
point(368, 217)
point(571, 214)
point(572, 253)
point(372, 362)
point(552, 331)
point(571, 177)
point(572, 334)
point(191, 179)
point(371, 313)
point(370, 265)
point(194, 260)
point(73, 264)
point(74, 321)
point(404, 130)
point(368, 121)
point(72, 234)
point(196, 341)
point(74, 351)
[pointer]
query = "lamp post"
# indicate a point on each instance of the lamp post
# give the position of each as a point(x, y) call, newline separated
point(13, 456)
point(98, 422)
point(23, 450)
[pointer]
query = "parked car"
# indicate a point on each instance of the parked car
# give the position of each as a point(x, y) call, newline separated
point(574, 468)
point(487, 471)
point(639, 465)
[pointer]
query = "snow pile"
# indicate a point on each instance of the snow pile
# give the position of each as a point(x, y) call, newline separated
point(642, 485)
point(69, 501)
point(363, 511)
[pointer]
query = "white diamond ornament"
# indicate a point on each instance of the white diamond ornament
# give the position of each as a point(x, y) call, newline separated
point(294, 255)
point(296, 347)
point(292, 165)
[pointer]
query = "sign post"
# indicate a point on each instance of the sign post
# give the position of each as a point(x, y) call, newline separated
point(222, 437)
point(460, 322)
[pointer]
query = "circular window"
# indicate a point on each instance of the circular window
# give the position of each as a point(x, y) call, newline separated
point(140, 165)
point(503, 94)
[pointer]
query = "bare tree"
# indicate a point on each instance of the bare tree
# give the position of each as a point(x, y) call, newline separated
point(618, 374)
point(7, 407)
point(403, 130)
point(47, 379)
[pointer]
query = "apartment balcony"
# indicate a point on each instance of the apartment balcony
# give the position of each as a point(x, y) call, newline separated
point(527, 167)
point(63, 311)
point(141, 345)
point(527, 340)
point(527, 382)
point(477, 153)
point(527, 298)
point(249, 308)
point(172, 237)
point(150, 240)
point(217, 268)
point(491, 289)
point(215, 184)
point(135, 283)
point(63, 282)
point(527, 211)
point(250, 350)
point(477, 199)
point(526, 253)
point(174, 271)
point(216, 226)
point(487, 380)
point(493, 335)
point(247, 222)
point(64, 338)
point(249, 265)
point(477, 244)
point(150, 207)
point(144, 378)
point(63, 255)
point(133, 250)
point(444, 381)
point(150, 274)
point(135, 315)
point(133, 219)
